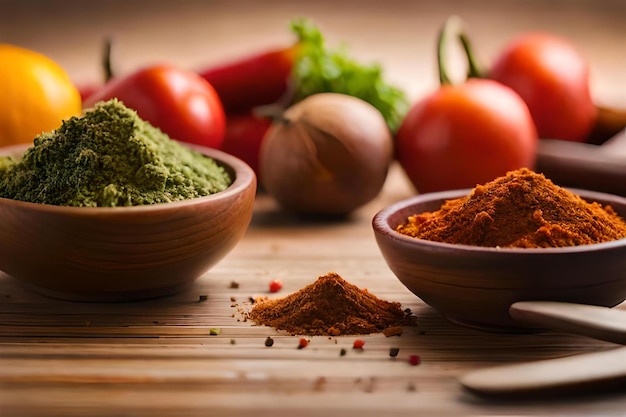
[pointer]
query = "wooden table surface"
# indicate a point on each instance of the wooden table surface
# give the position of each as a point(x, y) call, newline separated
point(157, 358)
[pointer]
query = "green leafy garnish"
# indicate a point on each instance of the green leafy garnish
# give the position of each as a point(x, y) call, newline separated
point(318, 69)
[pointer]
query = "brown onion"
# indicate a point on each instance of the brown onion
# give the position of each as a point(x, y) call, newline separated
point(328, 154)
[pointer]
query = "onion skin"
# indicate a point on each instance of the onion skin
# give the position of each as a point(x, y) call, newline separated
point(327, 155)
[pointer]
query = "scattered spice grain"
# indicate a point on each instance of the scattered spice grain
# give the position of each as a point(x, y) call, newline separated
point(343, 352)
point(358, 344)
point(203, 298)
point(522, 209)
point(330, 306)
point(393, 331)
point(370, 384)
point(276, 285)
point(393, 352)
point(320, 382)
point(215, 331)
point(415, 360)
point(269, 342)
point(234, 285)
point(302, 343)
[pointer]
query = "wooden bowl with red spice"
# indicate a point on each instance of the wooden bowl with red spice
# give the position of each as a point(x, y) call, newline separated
point(109, 254)
point(475, 285)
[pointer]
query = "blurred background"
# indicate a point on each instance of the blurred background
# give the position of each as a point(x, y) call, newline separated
point(399, 34)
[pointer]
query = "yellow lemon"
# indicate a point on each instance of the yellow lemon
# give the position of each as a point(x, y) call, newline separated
point(36, 94)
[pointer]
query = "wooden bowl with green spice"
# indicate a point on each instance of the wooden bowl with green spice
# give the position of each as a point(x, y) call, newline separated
point(88, 235)
point(471, 254)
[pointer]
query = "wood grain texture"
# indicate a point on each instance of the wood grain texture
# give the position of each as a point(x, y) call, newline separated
point(156, 358)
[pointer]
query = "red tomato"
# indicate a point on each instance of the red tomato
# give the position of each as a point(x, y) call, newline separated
point(553, 79)
point(179, 102)
point(465, 135)
point(86, 90)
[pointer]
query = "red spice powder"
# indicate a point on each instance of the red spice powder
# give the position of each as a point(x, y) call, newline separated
point(522, 209)
point(331, 306)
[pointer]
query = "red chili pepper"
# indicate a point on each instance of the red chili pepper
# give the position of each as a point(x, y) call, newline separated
point(302, 343)
point(358, 344)
point(244, 134)
point(252, 81)
point(179, 102)
point(276, 285)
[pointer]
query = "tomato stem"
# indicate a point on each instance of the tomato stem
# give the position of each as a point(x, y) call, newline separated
point(453, 27)
point(106, 59)
point(473, 69)
point(274, 111)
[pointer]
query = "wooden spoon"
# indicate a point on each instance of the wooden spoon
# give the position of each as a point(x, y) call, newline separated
point(600, 323)
point(579, 373)
point(562, 375)
point(583, 165)
point(597, 164)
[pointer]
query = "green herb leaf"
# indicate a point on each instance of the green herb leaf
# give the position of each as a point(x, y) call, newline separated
point(318, 69)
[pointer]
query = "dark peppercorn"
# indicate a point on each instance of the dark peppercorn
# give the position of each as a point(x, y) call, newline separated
point(393, 352)
point(269, 342)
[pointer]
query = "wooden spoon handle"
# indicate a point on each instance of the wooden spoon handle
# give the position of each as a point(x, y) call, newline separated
point(582, 165)
point(578, 373)
point(597, 322)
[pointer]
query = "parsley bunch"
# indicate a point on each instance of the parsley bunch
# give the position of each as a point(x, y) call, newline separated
point(318, 69)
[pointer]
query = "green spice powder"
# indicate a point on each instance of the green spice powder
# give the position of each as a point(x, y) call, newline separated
point(109, 157)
